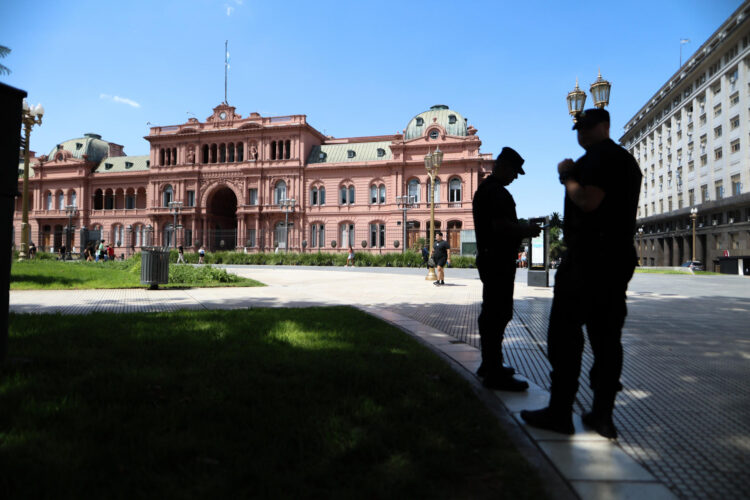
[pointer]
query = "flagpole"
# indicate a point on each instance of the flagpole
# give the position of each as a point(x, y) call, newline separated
point(226, 47)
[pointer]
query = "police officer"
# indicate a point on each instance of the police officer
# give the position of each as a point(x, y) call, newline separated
point(601, 200)
point(498, 235)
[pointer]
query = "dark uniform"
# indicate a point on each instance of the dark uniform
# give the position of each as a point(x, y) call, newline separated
point(496, 262)
point(440, 252)
point(593, 277)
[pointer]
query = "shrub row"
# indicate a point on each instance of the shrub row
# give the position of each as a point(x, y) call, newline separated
point(362, 259)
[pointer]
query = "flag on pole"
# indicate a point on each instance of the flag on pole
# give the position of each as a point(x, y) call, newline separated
point(684, 40)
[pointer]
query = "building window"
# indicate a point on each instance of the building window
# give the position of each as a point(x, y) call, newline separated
point(717, 154)
point(377, 235)
point(734, 99)
point(704, 193)
point(253, 196)
point(452, 119)
point(735, 122)
point(188, 237)
point(373, 194)
point(49, 201)
point(719, 189)
point(347, 235)
point(73, 199)
point(317, 236)
point(691, 166)
point(434, 134)
point(413, 190)
point(436, 191)
point(420, 121)
point(279, 192)
point(351, 195)
point(346, 195)
point(691, 197)
point(704, 160)
point(191, 198)
point(60, 201)
point(454, 190)
point(717, 132)
point(314, 196)
point(167, 195)
point(736, 185)
point(717, 110)
point(273, 150)
point(735, 145)
point(381, 193)
point(350, 153)
point(381, 152)
point(287, 149)
point(669, 204)
point(130, 201)
point(321, 196)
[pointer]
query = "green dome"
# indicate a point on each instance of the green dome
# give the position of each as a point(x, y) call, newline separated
point(91, 145)
point(451, 121)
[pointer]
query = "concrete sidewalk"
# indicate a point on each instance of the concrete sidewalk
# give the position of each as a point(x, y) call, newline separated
point(644, 462)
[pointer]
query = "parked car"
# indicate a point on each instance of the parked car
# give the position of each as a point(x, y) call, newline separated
point(695, 265)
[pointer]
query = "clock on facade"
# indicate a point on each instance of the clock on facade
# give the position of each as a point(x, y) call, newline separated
point(223, 115)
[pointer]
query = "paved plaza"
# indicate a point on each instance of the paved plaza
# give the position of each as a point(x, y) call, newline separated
point(683, 416)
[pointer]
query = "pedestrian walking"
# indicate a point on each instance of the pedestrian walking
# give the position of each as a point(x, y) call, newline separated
point(180, 254)
point(499, 235)
point(350, 257)
point(441, 255)
point(110, 253)
point(100, 253)
point(425, 255)
point(601, 201)
point(201, 254)
point(32, 250)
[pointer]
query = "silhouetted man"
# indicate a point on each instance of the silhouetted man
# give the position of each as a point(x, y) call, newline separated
point(498, 235)
point(601, 200)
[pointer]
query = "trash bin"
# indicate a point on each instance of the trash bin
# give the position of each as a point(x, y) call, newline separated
point(154, 266)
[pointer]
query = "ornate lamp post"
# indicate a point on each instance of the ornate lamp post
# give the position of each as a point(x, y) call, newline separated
point(694, 216)
point(577, 98)
point(71, 210)
point(404, 203)
point(288, 206)
point(432, 162)
point(175, 207)
point(32, 115)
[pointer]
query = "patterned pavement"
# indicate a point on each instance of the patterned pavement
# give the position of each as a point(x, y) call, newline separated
point(683, 414)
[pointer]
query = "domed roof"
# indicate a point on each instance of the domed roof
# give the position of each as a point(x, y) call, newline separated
point(451, 121)
point(91, 145)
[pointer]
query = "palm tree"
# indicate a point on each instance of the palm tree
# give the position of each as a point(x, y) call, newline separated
point(4, 51)
point(555, 220)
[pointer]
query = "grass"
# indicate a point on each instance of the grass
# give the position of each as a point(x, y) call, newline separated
point(269, 403)
point(58, 275)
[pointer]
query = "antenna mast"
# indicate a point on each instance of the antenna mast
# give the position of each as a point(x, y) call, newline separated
point(226, 67)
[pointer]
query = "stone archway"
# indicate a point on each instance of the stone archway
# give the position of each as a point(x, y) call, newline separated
point(221, 210)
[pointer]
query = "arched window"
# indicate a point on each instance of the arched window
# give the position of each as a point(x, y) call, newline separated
point(414, 190)
point(454, 193)
point(49, 201)
point(279, 192)
point(109, 200)
point(347, 235)
point(317, 235)
point(381, 194)
point(222, 153)
point(98, 199)
point(373, 194)
point(213, 153)
point(273, 150)
point(342, 195)
point(73, 200)
point(231, 153)
point(282, 234)
point(314, 196)
point(205, 153)
point(351, 195)
point(377, 235)
point(321, 196)
point(167, 195)
point(287, 149)
point(60, 200)
point(161, 156)
point(436, 191)
point(240, 149)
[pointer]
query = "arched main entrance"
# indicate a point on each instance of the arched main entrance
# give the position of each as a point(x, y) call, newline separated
point(222, 220)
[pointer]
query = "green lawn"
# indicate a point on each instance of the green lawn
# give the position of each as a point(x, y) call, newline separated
point(271, 403)
point(51, 274)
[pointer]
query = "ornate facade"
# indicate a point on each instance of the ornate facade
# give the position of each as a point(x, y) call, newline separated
point(231, 174)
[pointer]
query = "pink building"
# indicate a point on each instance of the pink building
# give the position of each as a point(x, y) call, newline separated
point(230, 173)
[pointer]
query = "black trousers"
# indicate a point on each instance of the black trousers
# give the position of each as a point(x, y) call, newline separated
point(497, 308)
point(591, 294)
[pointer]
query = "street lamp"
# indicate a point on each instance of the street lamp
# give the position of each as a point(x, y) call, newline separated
point(288, 206)
point(175, 207)
point(404, 203)
point(694, 216)
point(577, 98)
point(640, 245)
point(71, 210)
point(432, 162)
point(31, 115)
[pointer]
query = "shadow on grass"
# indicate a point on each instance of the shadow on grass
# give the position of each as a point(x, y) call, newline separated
point(319, 402)
point(39, 279)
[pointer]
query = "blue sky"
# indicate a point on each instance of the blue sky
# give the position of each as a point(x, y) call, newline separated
point(354, 68)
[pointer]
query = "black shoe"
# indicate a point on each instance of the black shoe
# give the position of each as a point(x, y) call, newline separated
point(508, 371)
point(505, 383)
point(603, 425)
point(549, 420)
point(442, 282)
point(436, 282)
